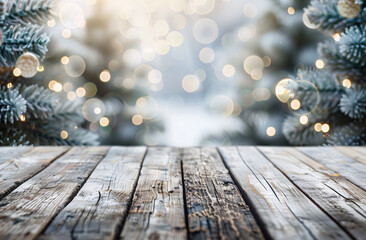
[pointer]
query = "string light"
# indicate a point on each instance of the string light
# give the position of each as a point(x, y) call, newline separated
point(295, 104)
point(9, 85)
point(271, 131)
point(64, 134)
point(57, 87)
point(325, 128)
point(346, 83)
point(17, 72)
point(318, 127)
point(336, 37)
point(64, 60)
point(291, 10)
point(137, 119)
point(319, 64)
point(304, 119)
point(105, 76)
point(104, 121)
point(22, 118)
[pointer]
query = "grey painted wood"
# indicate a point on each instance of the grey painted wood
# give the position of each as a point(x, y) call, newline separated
point(157, 210)
point(23, 164)
point(356, 153)
point(284, 210)
point(216, 209)
point(101, 205)
point(349, 168)
point(341, 199)
point(7, 153)
point(26, 211)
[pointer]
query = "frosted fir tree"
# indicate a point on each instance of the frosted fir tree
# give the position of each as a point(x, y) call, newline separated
point(31, 114)
point(274, 43)
point(330, 101)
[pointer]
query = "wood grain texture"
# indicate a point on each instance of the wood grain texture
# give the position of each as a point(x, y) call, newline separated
point(7, 153)
point(356, 153)
point(349, 168)
point(341, 199)
point(216, 209)
point(101, 205)
point(157, 210)
point(282, 208)
point(22, 165)
point(26, 211)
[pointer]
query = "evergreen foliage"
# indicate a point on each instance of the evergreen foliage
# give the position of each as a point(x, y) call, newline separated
point(341, 84)
point(31, 114)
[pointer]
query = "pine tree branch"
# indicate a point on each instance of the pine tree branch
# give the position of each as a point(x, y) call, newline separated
point(23, 12)
point(353, 103)
point(17, 40)
point(12, 105)
point(352, 44)
point(326, 15)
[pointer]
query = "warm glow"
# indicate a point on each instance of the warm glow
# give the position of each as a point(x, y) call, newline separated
point(325, 128)
point(22, 118)
point(346, 83)
point(336, 37)
point(228, 70)
point(271, 131)
point(80, 92)
point(17, 72)
point(319, 64)
point(137, 119)
point(64, 60)
point(9, 85)
point(57, 87)
point(64, 134)
point(190, 83)
point(105, 76)
point(291, 10)
point(295, 104)
point(318, 127)
point(104, 121)
point(304, 119)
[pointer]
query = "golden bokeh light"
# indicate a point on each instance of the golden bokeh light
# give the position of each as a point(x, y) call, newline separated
point(346, 83)
point(295, 104)
point(137, 119)
point(325, 128)
point(318, 127)
point(271, 131)
point(64, 134)
point(105, 76)
point(190, 83)
point(304, 119)
point(228, 70)
point(319, 64)
point(104, 122)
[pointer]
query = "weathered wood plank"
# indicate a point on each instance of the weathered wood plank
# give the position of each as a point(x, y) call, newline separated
point(356, 153)
point(23, 166)
point(26, 211)
point(349, 168)
point(339, 198)
point(101, 205)
point(157, 210)
point(283, 209)
point(216, 209)
point(7, 153)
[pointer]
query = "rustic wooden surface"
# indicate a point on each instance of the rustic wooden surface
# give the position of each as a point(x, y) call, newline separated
point(182, 193)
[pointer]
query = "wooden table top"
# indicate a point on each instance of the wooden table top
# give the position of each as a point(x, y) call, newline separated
point(182, 193)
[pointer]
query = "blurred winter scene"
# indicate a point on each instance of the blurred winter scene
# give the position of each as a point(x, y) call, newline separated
point(195, 72)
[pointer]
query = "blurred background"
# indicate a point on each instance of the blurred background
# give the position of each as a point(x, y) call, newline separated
point(179, 72)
